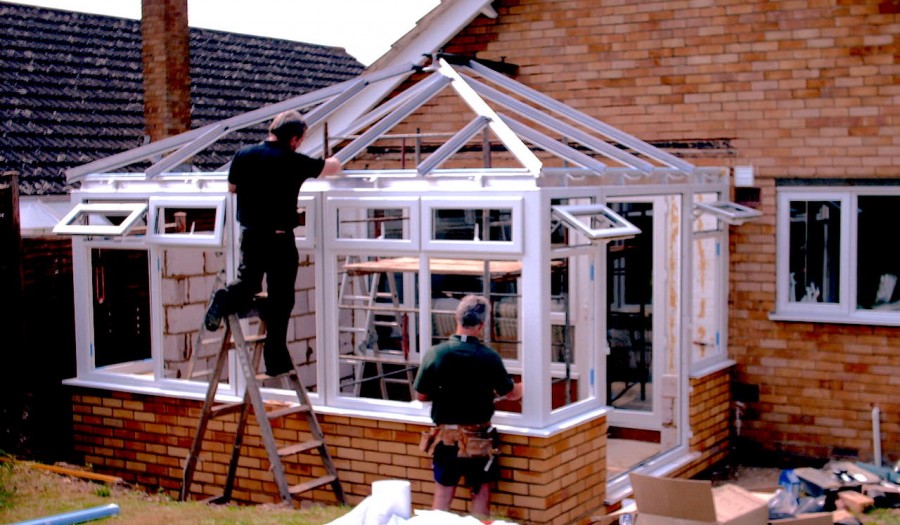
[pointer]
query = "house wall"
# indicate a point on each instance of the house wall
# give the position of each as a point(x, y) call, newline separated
point(144, 439)
point(797, 89)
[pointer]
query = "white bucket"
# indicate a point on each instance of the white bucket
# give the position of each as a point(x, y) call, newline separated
point(397, 492)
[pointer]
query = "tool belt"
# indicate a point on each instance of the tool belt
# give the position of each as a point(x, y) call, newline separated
point(473, 441)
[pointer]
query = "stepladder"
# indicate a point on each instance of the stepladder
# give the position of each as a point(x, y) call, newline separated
point(280, 451)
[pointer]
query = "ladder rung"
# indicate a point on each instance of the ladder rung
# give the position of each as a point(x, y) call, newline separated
point(352, 329)
point(396, 381)
point(223, 410)
point(201, 373)
point(300, 447)
point(386, 323)
point(309, 485)
point(255, 338)
point(287, 411)
point(357, 298)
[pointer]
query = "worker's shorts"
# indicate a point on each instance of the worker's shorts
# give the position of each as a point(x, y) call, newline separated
point(450, 469)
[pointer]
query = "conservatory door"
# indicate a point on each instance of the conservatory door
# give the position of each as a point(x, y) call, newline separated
point(638, 278)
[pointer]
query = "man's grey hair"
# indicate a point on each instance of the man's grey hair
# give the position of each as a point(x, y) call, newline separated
point(472, 311)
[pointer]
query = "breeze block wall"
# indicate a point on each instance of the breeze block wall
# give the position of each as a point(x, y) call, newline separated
point(145, 440)
point(796, 89)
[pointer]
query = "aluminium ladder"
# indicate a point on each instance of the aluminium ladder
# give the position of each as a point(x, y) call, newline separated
point(249, 352)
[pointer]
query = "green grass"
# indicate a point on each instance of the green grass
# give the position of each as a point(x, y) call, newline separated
point(27, 493)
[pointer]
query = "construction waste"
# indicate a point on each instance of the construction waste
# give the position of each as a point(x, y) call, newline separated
point(852, 487)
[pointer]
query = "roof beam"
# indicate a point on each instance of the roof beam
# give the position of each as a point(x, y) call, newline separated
point(586, 120)
point(554, 146)
point(551, 122)
point(452, 146)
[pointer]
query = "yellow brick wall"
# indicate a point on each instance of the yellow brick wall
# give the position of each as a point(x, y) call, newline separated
point(144, 439)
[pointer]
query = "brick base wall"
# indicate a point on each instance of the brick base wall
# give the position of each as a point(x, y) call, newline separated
point(710, 419)
point(145, 440)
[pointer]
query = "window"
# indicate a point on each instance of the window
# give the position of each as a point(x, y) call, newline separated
point(187, 221)
point(473, 225)
point(367, 221)
point(835, 263)
point(110, 219)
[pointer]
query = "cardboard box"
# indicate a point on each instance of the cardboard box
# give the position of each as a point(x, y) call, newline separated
point(669, 501)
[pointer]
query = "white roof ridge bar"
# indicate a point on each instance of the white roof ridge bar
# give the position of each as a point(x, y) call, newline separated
point(509, 139)
point(598, 145)
point(372, 134)
point(582, 118)
point(452, 145)
point(554, 146)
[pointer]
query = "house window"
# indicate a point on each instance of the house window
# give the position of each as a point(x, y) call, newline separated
point(103, 219)
point(834, 264)
point(362, 222)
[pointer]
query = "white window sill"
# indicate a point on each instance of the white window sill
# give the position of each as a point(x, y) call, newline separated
point(872, 318)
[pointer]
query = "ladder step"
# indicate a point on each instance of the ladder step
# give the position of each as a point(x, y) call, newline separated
point(386, 323)
point(275, 414)
point(352, 329)
point(224, 410)
point(255, 338)
point(300, 447)
point(309, 485)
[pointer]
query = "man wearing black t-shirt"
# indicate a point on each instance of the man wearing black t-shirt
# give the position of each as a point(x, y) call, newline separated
point(266, 178)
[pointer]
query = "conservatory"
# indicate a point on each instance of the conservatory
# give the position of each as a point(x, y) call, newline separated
point(604, 257)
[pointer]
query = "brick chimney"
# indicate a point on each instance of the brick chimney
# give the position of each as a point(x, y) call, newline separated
point(166, 55)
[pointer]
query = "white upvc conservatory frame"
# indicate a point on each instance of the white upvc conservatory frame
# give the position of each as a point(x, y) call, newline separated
point(629, 168)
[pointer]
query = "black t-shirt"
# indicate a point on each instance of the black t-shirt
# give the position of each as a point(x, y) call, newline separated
point(462, 379)
point(268, 178)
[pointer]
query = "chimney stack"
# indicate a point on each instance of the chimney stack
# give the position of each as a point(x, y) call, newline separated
point(166, 56)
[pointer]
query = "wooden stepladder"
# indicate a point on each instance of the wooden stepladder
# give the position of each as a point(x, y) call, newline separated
point(249, 353)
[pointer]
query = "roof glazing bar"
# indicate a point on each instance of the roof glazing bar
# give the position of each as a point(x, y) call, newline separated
point(453, 144)
point(500, 129)
point(220, 130)
point(373, 133)
point(170, 143)
point(554, 146)
point(549, 121)
point(604, 129)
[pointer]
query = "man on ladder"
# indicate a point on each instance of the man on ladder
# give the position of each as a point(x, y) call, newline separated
point(266, 178)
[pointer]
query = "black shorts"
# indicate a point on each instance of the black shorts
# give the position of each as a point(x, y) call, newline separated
point(449, 469)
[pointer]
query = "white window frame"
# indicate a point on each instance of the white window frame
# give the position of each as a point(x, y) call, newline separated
point(410, 204)
point(515, 204)
point(132, 211)
point(845, 310)
point(571, 215)
point(157, 235)
point(311, 216)
point(729, 212)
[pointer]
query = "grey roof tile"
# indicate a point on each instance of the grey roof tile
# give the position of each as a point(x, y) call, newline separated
point(71, 89)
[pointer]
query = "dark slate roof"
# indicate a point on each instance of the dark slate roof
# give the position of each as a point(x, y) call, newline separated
point(71, 89)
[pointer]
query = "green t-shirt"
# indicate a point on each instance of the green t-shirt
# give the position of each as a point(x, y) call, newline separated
point(462, 378)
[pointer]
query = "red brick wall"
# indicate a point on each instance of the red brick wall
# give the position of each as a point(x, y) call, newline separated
point(798, 89)
point(710, 419)
point(166, 56)
point(558, 480)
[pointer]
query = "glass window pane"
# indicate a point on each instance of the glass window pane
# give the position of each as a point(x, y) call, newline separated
point(815, 238)
point(377, 327)
point(878, 267)
point(486, 225)
point(121, 302)
point(629, 289)
point(372, 223)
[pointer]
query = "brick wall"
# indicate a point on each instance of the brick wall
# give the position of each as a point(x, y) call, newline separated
point(798, 89)
point(165, 51)
point(145, 439)
point(710, 420)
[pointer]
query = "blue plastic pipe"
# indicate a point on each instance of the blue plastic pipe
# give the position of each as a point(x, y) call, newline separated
point(77, 516)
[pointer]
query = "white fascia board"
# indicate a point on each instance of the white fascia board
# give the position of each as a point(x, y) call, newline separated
point(432, 32)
